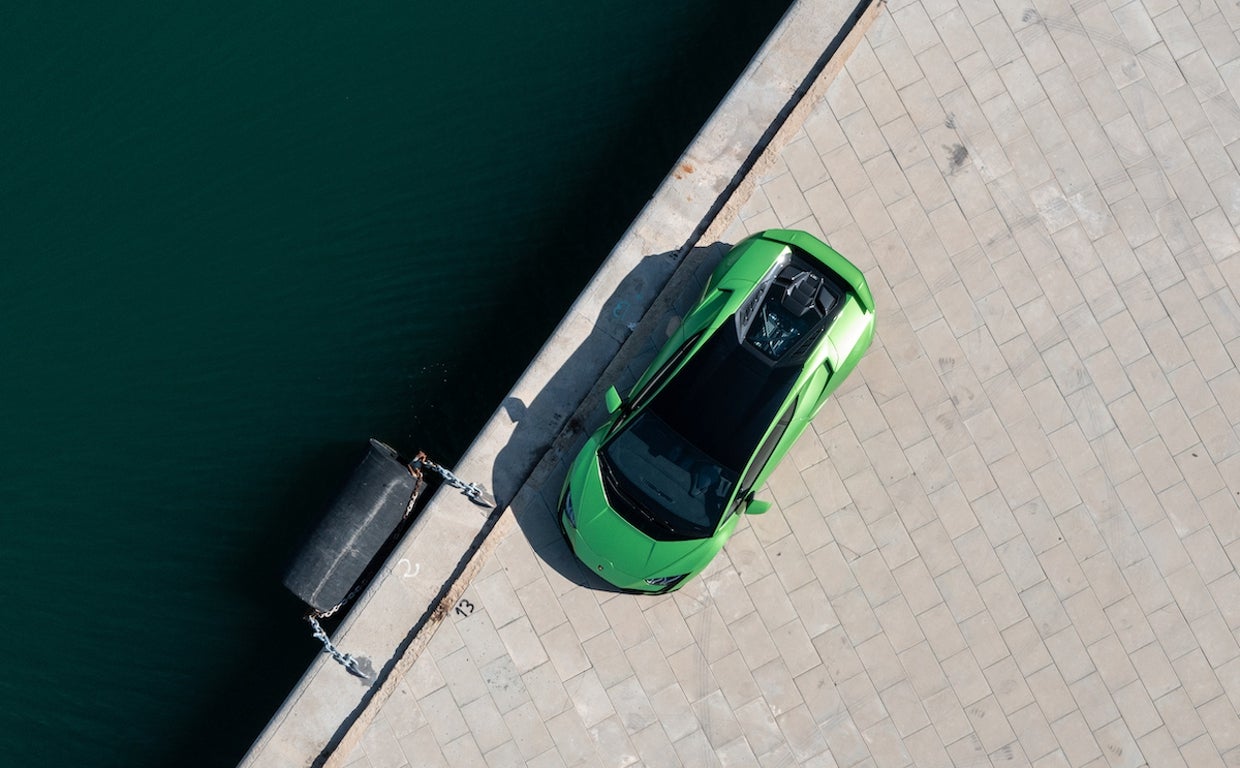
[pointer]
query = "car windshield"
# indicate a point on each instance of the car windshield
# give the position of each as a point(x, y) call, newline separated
point(664, 482)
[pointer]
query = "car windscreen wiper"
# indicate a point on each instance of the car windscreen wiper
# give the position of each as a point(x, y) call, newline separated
point(660, 520)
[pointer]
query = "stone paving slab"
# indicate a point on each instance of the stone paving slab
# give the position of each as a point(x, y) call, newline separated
point(1012, 538)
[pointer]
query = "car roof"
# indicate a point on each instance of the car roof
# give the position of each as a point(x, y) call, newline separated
point(725, 398)
point(727, 395)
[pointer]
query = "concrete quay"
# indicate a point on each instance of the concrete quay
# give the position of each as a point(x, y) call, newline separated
point(1012, 538)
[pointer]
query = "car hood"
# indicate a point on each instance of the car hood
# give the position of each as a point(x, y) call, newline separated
point(630, 551)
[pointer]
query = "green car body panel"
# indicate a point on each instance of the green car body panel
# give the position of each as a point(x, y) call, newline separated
point(659, 488)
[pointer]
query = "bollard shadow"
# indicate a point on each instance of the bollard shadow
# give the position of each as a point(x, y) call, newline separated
point(628, 329)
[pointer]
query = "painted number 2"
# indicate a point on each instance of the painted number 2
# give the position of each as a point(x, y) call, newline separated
point(464, 608)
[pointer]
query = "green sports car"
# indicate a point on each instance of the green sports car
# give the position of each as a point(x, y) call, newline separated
point(659, 488)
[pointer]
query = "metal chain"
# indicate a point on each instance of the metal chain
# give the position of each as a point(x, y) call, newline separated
point(345, 659)
point(475, 492)
point(357, 588)
point(418, 485)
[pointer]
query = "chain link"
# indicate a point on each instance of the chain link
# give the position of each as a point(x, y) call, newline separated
point(345, 659)
point(475, 492)
point(357, 588)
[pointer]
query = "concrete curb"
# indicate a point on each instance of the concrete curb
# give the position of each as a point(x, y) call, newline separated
point(328, 711)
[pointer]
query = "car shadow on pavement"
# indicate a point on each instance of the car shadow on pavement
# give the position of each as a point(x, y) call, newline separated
point(630, 326)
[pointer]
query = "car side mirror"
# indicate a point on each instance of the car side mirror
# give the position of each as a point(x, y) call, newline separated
point(614, 403)
point(756, 506)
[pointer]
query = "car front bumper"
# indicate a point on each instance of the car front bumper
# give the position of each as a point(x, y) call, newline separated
point(603, 567)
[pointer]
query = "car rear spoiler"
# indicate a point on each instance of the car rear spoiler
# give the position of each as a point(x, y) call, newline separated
point(828, 255)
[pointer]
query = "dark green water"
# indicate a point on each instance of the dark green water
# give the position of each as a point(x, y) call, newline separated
point(236, 240)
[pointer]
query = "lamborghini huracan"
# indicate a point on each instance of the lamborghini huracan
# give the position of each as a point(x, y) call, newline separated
point(659, 488)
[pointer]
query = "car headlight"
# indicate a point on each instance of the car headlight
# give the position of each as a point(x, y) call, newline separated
point(568, 509)
point(666, 581)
